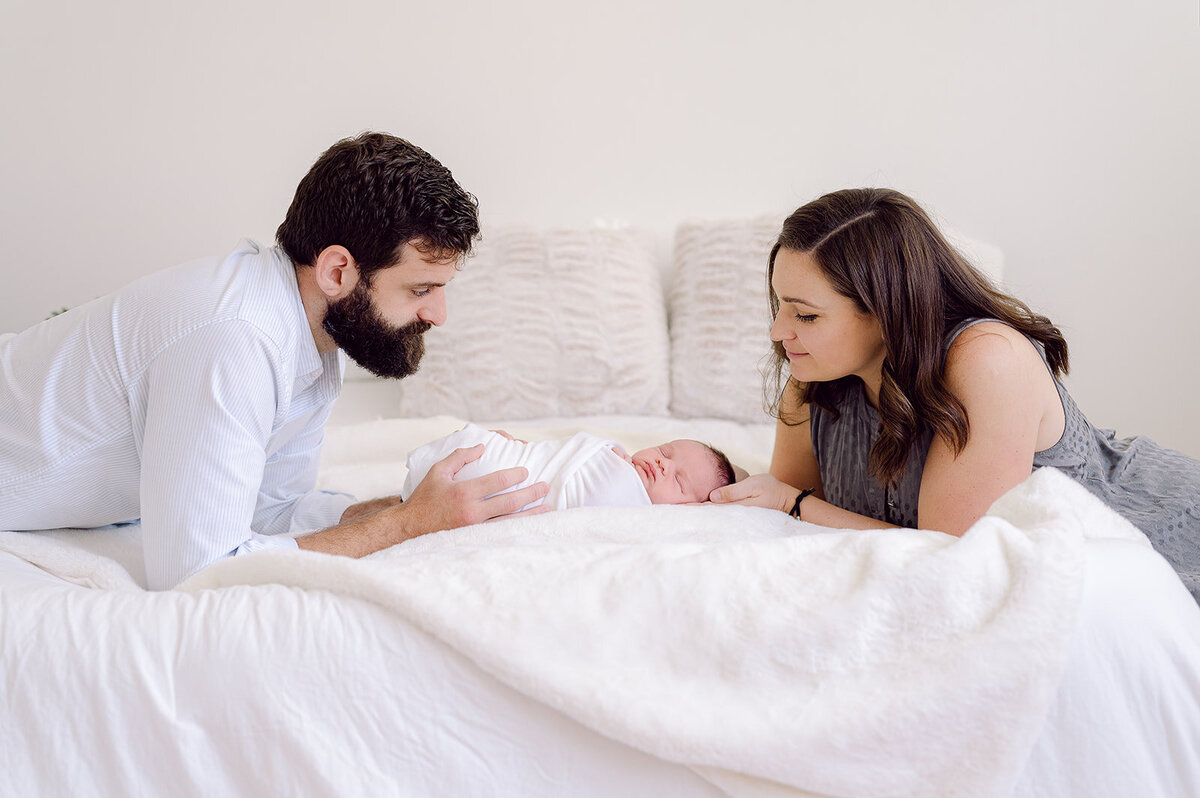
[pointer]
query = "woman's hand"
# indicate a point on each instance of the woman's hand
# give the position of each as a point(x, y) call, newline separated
point(761, 490)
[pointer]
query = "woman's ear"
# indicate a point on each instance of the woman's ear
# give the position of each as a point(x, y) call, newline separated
point(335, 272)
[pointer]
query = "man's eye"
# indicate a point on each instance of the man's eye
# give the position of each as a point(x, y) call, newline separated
point(420, 292)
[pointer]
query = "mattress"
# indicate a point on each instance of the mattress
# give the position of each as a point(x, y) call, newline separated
point(276, 689)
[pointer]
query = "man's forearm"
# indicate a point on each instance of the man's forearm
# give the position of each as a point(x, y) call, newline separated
point(438, 503)
point(365, 528)
point(366, 508)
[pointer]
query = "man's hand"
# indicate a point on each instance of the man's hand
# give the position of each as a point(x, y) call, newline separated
point(438, 503)
point(508, 435)
point(624, 455)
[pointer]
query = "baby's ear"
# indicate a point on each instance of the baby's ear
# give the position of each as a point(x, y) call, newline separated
point(739, 473)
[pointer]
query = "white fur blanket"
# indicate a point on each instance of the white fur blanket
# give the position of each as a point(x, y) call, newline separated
point(773, 657)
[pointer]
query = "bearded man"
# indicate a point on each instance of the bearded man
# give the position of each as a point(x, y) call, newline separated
point(195, 399)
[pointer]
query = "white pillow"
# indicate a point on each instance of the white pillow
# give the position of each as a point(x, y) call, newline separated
point(720, 319)
point(549, 323)
point(719, 316)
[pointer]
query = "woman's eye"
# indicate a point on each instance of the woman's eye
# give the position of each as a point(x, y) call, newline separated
point(807, 319)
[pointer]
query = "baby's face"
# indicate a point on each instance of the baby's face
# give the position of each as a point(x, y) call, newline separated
point(677, 472)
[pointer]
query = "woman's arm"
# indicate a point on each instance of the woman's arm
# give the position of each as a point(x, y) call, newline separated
point(794, 465)
point(793, 461)
point(1013, 410)
point(794, 469)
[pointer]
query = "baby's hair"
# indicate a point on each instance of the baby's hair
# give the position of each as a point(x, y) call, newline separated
point(725, 472)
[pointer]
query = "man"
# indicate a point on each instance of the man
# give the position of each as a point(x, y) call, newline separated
point(195, 399)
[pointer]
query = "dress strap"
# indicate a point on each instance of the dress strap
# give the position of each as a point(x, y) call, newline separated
point(963, 326)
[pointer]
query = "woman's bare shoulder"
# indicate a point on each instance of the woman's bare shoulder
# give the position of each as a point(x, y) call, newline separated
point(989, 350)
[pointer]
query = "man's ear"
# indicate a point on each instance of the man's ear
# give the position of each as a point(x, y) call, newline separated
point(335, 272)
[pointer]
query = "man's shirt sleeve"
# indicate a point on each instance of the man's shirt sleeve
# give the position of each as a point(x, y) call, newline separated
point(287, 503)
point(212, 397)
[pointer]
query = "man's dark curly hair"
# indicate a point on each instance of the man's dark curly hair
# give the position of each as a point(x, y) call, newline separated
point(372, 194)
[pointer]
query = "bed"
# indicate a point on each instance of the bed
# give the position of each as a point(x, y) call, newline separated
point(682, 651)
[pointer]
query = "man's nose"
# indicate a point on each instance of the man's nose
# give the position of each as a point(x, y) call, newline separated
point(434, 310)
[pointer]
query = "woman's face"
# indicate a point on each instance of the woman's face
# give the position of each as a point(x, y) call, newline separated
point(824, 335)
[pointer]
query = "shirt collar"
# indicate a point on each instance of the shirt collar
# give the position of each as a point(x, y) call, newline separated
point(310, 364)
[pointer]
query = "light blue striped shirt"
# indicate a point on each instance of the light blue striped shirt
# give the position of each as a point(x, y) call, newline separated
point(193, 398)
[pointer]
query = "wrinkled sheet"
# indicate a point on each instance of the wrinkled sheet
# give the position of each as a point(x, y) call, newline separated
point(752, 647)
point(612, 652)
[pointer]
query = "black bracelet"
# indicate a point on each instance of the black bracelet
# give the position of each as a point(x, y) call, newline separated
point(795, 513)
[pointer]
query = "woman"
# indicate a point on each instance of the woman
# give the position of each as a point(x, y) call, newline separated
point(918, 394)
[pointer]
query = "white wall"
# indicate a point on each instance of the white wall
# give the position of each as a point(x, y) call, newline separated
point(138, 134)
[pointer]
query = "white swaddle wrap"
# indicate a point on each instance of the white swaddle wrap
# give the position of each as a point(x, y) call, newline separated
point(582, 471)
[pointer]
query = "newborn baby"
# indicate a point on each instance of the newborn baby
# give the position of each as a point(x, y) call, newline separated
point(586, 471)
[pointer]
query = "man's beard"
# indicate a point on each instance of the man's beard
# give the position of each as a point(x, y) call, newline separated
point(366, 337)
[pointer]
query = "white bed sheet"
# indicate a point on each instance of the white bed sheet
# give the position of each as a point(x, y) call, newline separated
point(351, 701)
point(101, 696)
point(1126, 720)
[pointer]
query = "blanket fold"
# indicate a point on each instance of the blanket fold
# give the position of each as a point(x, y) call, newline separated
point(773, 657)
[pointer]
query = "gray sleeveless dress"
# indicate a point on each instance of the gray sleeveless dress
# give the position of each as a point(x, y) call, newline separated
point(1156, 489)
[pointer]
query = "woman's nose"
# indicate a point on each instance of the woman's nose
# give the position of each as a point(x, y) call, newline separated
point(779, 328)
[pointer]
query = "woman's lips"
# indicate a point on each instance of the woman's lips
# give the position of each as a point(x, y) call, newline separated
point(793, 355)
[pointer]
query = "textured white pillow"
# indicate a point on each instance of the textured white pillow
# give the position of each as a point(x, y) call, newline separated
point(719, 316)
point(549, 323)
point(720, 319)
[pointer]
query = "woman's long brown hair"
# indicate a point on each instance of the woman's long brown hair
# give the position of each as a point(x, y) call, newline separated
point(880, 249)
